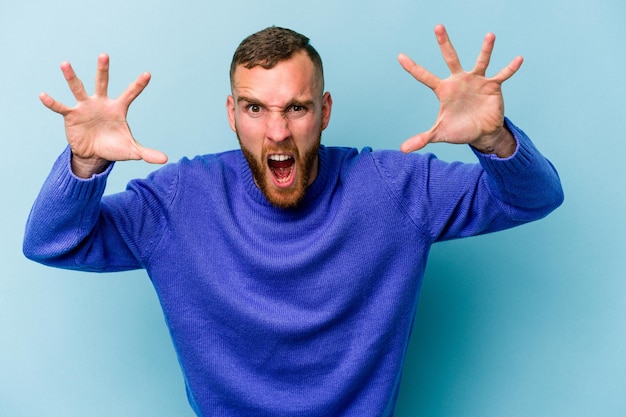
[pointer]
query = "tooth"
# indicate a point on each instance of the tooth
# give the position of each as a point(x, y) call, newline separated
point(279, 157)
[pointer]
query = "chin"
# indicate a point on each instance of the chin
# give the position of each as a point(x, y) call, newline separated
point(284, 199)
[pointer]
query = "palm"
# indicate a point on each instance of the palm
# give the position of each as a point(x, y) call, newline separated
point(471, 105)
point(96, 128)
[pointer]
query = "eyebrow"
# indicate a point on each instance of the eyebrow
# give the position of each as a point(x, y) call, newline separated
point(244, 98)
point(304, 103)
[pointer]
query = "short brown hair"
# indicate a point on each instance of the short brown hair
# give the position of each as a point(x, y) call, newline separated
point(272, 45)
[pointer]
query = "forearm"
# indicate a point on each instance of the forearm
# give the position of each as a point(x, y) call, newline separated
point(87, 168)
point(501, 144)
point(60, 214)
point(525, 181)
point(65, 227)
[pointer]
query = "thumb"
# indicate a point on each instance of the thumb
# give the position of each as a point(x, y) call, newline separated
point(152, 156)
point(415, 143)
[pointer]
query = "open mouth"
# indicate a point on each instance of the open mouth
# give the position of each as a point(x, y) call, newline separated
point(282, 167)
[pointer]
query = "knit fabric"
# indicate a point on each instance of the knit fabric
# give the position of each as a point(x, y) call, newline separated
point(298, 312)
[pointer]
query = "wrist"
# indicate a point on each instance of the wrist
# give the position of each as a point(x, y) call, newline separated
point(88, 167)
point(501, 143)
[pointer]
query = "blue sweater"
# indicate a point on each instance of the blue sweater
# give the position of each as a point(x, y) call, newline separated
point(278, 312)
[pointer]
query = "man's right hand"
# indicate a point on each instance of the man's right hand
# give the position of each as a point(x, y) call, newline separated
point(96, 127)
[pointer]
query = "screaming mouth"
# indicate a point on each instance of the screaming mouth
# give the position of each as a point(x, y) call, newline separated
point(281, 166)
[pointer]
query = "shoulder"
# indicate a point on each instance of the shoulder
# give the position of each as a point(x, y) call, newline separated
point(189, 173)
point(385, 163)
point(226, 158)
point(393, 165)
point(206, 164)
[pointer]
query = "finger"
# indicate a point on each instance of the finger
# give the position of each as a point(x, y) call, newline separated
point(508, 71)
point(416, 142)
point(447, 50)
point(102, 76)
point(134, 89)
point(418, 72)
point(75, 84)
point(53, 105)
point(152, 156)
point(482, 62)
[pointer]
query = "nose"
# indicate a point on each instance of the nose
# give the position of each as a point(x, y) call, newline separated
point(277, 127)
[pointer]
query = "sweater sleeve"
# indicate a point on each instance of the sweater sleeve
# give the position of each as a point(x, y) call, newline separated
point(526, 183)
point(73, 226)
point(453, 200)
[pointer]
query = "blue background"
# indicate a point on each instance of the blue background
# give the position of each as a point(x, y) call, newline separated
point(527, 322)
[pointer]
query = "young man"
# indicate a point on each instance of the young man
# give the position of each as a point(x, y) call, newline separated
point(288, 271)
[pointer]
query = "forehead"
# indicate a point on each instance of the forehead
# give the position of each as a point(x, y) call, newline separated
point(290, 79)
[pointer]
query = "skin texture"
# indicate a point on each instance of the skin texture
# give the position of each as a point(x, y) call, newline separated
point(280, 111)
point(471, 112)
point(471, 105)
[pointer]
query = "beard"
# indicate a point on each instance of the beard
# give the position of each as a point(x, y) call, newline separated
point(285, 198)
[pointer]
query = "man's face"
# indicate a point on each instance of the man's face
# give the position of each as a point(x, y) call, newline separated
point(278, 115)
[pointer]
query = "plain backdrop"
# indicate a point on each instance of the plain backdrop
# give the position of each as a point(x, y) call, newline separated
point(527, 322)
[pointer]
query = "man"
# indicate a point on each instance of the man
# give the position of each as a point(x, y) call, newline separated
point(288, 271)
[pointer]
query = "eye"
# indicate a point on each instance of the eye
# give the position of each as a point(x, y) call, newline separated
point(254, 110)
point(296, 110)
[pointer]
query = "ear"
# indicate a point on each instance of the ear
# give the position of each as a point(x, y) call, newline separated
point(230, 110)
point(327, 106)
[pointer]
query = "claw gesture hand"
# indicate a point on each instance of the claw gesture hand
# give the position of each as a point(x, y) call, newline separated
point(471, 105)
point(96, 128)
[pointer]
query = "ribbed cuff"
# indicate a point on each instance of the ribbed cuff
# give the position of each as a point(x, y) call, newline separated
point(519, 161)
point(75, 187)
